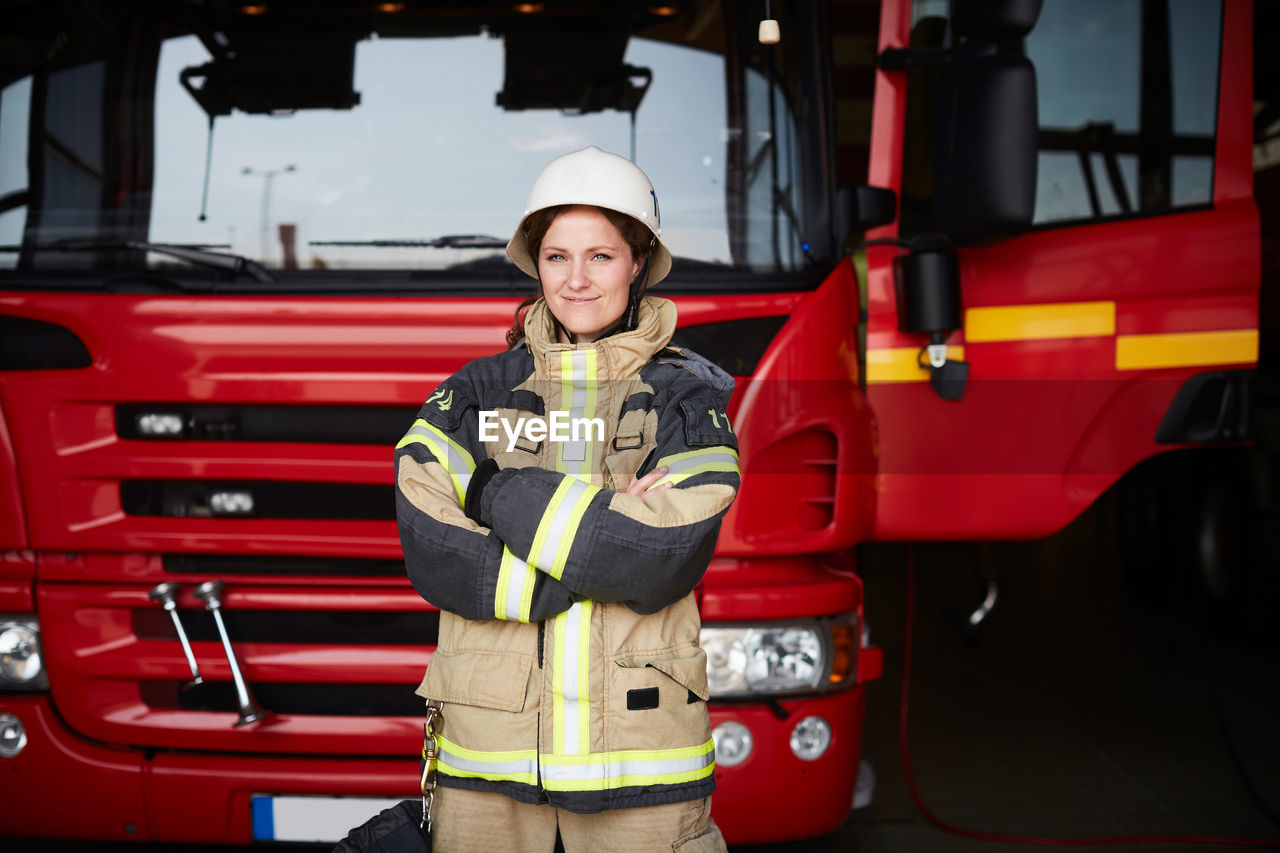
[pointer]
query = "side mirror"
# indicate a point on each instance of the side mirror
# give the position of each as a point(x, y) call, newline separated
point(863, 208)
point(985, 151)
point(874, 206)
point(984, 122)
point(926, 282)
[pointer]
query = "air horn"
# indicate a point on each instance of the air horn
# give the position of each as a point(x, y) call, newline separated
point(166, 594)
point(210, 592)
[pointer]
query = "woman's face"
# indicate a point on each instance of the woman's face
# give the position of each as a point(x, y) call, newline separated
point(586, 269)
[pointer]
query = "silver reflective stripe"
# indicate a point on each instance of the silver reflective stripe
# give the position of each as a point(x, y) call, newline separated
point(571, 647)
point(563, 524)
point(486, 767)
point(626, 767)
point(456, 461)
point(685, 465)
point(577, 390)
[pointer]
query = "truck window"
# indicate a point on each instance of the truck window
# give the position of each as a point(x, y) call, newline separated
point(434, 133)
point(1127, 96)
point(415, 160)
point(15, 107)
point(1128, 103)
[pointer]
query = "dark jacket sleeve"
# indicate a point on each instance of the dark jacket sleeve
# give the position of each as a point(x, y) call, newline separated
point(611, 546)
point(454, 563)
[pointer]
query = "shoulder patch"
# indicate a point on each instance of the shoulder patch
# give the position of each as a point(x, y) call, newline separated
point(445, 405)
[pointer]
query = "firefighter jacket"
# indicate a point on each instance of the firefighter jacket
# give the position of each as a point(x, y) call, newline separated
point(568, 663)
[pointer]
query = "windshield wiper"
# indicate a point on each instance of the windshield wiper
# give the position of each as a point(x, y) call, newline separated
point(200, 257)
point(449, 241)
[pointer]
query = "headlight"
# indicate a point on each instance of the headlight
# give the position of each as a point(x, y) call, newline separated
point(21, 660)
point(767, 659)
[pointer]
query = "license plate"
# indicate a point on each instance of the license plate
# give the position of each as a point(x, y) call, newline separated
point(326, 819)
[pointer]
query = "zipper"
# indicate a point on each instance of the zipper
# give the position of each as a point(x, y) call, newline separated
point(542, 792)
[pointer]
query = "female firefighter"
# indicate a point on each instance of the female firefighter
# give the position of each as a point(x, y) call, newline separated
point(559, 502)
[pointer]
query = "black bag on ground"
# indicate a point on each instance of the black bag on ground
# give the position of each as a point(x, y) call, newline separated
point(393, 830)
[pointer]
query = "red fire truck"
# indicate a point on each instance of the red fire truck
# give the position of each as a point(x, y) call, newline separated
point(971, 262)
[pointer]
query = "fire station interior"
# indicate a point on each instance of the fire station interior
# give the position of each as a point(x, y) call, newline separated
point(1114, 681)
point(1097, 700)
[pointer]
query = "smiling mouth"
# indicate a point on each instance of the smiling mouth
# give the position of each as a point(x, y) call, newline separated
point(580, 300)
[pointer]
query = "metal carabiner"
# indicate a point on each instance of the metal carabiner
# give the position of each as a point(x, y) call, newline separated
point(430, 749)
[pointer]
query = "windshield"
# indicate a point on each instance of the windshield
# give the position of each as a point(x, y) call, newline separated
point(410, 141)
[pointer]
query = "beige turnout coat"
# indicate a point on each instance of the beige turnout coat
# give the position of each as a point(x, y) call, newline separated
point(568, 662)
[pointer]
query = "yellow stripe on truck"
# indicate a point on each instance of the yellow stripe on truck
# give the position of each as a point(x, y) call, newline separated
point(1039, 322)
point(1186, 349)
point(900, 364)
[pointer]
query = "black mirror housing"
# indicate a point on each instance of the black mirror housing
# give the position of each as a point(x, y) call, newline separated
point(994, 20)
point(986, 148)
point(927, 286)
point(874, 206)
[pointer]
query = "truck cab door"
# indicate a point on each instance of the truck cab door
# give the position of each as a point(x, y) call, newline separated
point(1105, 327)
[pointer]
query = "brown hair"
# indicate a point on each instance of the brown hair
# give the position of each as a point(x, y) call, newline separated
point(637, 236)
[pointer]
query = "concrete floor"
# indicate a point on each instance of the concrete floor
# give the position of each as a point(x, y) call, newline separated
point(1074, 712)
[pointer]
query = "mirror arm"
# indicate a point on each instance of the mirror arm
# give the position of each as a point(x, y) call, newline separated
point(903, 58)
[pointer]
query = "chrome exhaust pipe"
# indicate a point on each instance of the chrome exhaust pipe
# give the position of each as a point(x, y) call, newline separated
point(210, 592)
point(167, 595)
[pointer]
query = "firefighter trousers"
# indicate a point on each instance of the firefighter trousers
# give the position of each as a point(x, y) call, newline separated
point(464, 821)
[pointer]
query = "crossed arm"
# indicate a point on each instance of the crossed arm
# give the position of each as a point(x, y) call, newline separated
point(531, 542)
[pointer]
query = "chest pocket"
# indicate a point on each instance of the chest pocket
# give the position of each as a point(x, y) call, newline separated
point(636, 438)
point(524, 452)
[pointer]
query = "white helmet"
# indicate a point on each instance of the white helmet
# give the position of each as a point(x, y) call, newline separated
point(598, 178)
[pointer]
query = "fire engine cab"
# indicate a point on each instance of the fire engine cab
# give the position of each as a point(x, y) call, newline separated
point(969, 262)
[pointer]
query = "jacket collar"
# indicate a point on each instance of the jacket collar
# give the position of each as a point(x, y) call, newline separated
point(621, 354)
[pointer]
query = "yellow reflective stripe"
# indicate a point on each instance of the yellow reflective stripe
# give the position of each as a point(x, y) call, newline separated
point(569, 531)
point(504, 583)
point(514, 597)
point(557, 689)
point(546, 523)
point(515, 765)
point(526, 592)
point(566, 400)
point(585, 772)
point(608, 770)
point(1039, 322)
point(1186, 349)
point(901, 364)
point(694, 462)
point(452, 457)
point(584, 673)
point(589, 408)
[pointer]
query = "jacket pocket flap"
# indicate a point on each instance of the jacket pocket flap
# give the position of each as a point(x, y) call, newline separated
point(480, 679)
point(689, 669)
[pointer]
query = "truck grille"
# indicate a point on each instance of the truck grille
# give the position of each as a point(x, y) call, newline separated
point(270, 626)
point(266, 499)
point(380, 425)
point(325, 658)
point(328, 700)
point(218, 565)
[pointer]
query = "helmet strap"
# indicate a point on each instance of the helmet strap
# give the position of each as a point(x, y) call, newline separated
point(631, 315)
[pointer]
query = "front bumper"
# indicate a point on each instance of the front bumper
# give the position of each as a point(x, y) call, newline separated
point(62, 786)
